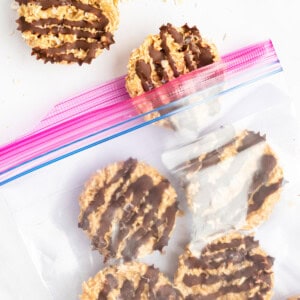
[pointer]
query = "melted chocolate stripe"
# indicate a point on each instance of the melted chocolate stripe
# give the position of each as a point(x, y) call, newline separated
point(97, 25)
point(143, 71)
point(231, 253)
point(117, 201)
point(149, 227)
point(99, 196)
point(165, 48)
point(150, 278)
point(201, 55)
point(203, 279)
point(56, 54)
point(267, 165)
point(46, 4)
point(261, 194)
point(138, 189)
point(25, 26)
point(234, 243)
point(157, 58)
point(176, 35)
point(70, 57)
point(250, 140)
point(213, 157)
point(223, 253)
point(210, 158)
point(127, 290)
point(250, 242)
point(110, 284)
point(246, 285)
point(212, 262)
point(189, 62)
point(169, 216)
point(205, 57)
point(79, 44)
point(233, 257)
point(259, 189)
point(93, 206)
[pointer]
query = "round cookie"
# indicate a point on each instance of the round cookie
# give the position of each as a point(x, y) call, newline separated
point(128, 210)
point(130, 281)
point(68, 31)
point(237, 174)
point(232, 267)
point(163, 57)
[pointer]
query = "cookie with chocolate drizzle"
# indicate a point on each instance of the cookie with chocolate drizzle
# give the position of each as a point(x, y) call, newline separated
point(128, 210)
point(231, 267)
point(130, 281)
point(68, 31)
point(263, 176)
point(232, 179)
point(163, 57)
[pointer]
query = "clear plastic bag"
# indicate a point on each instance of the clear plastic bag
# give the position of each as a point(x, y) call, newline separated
point(47, 216)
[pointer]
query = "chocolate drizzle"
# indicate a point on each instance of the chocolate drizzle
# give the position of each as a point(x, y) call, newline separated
point(91, 35)
point(250, 270)
point(150, 224)
point(263, 192)
point(143, 71)
point(157, 58)
point(110, 284)
point(131, 214)
point(129, 165)
point(46, 4)
point(214, 157)
point(188, 41)
point(147, 282)
point(127, 290)
point(251, 139)
point(117, 200)
point(167, 51)
point(64, 27)
point(260, 188)
point(169, 218)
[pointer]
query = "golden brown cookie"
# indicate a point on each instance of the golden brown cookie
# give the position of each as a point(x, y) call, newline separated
point(68, 31)
point(238, 176)
point(232, 267)
point(294, 298)
point(128, 210)
point(163, 57)
point(130, 281)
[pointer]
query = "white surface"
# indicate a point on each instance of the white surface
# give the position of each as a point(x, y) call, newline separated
point(29, 88)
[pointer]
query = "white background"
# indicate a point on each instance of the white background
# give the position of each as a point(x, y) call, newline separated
point(30, 88)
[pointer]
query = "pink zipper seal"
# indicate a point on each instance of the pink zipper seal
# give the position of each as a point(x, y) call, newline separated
point(107, 111)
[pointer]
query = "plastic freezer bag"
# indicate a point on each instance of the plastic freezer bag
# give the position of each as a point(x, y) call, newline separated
point(45, 206)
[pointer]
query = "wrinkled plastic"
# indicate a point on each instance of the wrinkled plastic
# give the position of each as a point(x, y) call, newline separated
point(106, 113)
